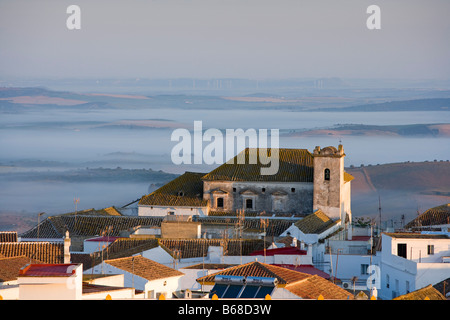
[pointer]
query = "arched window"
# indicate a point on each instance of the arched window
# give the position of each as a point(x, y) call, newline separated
point(327, 174)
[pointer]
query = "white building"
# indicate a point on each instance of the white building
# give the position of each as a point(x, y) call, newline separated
point(153, 278)
point(410, 261)
point(51, 282)
point(97, 243)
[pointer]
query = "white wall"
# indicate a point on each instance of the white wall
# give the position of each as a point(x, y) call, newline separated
point(400, 276)
point(125, 293)
point(9, 292)
point(94, 246)
point(159, 255)
point(52, 288)
point(163, 210)
point(347, 266)
point(162, 286)
point(166, 285)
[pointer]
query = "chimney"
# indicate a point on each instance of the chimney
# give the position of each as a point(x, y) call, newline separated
point(67, 247)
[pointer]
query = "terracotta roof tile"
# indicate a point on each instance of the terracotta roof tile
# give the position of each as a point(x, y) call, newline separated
point(428, 291)
point(433, 216)
point(85, 225)
point(314, 286)
point(301, 284)
point(9, 267)
point(316, 222)
point(258, 269)
point(295, 165)
point(48, 270)
point(144, 268)
point(8, 236)
point(191, 248)
point(47, 252)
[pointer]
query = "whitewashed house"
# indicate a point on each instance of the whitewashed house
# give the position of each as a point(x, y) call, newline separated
point(153, 278)
point(51, 282)
point(411, 261)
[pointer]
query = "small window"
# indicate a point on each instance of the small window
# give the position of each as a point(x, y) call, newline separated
point(248, 203)
point(401, 250)
point(234, 189)
point(263, 190)
point(327, 174)
point(364, 269)
point(219, 202)
point(292, 189)
point(430, 249)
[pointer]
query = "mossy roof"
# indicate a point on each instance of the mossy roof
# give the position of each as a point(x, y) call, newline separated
point(185, 190)
point(295, 165)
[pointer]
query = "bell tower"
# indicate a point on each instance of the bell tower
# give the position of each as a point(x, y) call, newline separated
point(328, 194)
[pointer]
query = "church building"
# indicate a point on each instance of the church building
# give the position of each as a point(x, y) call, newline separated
point(304, 183)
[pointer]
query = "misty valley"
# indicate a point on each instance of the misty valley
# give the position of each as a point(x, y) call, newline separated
point(110, 149)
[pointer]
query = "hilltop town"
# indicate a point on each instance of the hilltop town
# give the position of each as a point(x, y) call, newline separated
point(232, 233)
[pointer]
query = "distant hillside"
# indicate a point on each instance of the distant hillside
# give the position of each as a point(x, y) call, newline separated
point(403, 188)
point(430, 130)
point(92, 175)
point(436, 104)
point(414, 176)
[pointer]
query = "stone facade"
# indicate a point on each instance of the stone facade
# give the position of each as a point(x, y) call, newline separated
point(329, 195)
point(271, 197)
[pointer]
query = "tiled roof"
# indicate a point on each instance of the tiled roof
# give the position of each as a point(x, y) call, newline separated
point(295, 165)
point(192, 248)
point(120, 248)
point(275, 227)
point(313, 286)
point(306, 268)
point(123, 247)
point(210, 266)
point(8, 236)
point(428, 291)
point(433, 216)
point(110, 211)
point(348, 177)
point(85, 225)
point(413, 235)
point(144, 268)
point(280, 251)
point(9, 267)
point(185, 190)
point(47, 252)
point(443, 287)
point(301, 284)
point(89, 288)
point(316, 223)
point(48, 270)
point(258, 269)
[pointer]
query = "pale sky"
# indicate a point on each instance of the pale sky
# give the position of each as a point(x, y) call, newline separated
point(225, 38)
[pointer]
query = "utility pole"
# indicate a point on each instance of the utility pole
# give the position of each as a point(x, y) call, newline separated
point(379, 213)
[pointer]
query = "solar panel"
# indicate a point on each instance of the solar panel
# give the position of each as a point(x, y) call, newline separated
point(218, 289)
point(239, 287)
point(249, 292)
point(263, 291)
point(232, 291)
